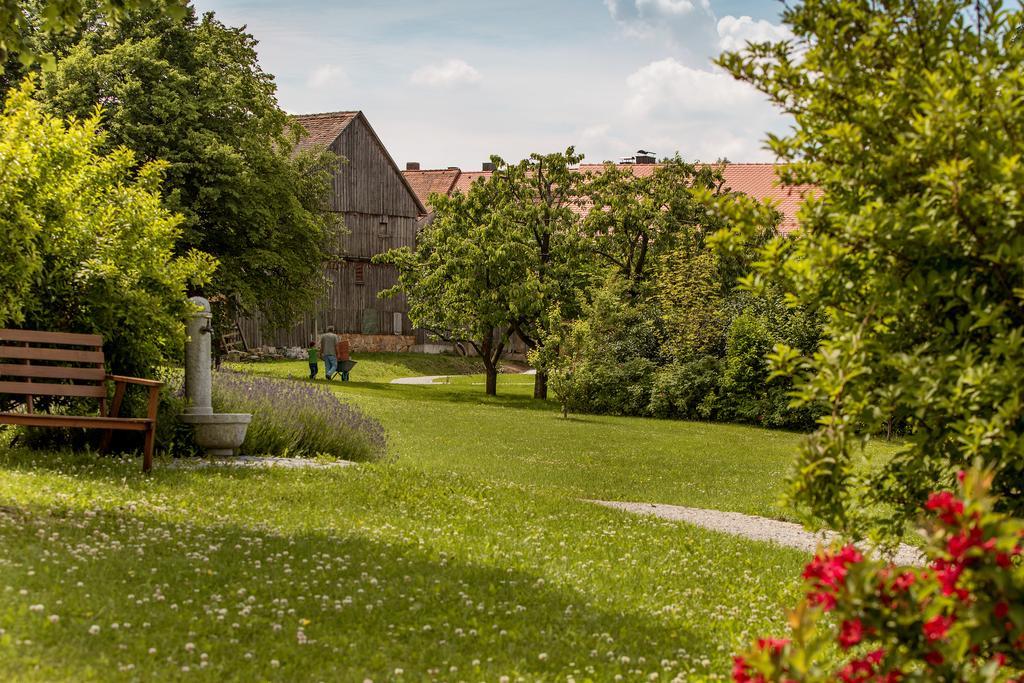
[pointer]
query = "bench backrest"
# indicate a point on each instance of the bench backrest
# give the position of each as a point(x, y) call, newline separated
point(51, 364)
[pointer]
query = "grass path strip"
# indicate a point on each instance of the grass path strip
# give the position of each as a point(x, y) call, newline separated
point(748, 526)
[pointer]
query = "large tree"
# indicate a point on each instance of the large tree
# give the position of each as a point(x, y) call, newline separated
point(26, 26)
point(908, 117)
point(192, 93)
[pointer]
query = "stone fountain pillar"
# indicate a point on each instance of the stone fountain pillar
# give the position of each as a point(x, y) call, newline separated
point(216, 433)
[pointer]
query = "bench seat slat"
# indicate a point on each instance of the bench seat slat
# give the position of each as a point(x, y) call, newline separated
point(52, 372)
point(37, 337)
point(47, 389)
point(67, 355)
point(135, 424)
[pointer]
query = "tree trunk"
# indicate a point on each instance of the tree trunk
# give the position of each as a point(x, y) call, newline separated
point(492, 381)
point(540, 384)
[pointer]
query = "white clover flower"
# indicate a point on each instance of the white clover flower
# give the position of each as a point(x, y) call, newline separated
point(54, 618)
point(274, 663)
point(94, 629)
point(35, 608)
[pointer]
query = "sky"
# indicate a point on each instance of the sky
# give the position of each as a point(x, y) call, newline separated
point(450, 82)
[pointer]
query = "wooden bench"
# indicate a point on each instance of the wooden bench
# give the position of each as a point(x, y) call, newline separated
point(48, 364)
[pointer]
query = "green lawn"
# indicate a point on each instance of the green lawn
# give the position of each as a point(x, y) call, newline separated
point(377, 367)
point(467, 556)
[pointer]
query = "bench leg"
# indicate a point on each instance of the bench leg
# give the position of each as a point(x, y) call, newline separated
point(147, 453)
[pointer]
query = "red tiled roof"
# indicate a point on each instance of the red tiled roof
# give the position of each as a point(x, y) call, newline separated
point(323, 129)
point(761, 181)
point(426, 183)
point(756, 180)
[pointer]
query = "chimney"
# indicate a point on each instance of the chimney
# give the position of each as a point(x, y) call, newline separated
point(644, 157)
point(487, 166)
point(412, 166)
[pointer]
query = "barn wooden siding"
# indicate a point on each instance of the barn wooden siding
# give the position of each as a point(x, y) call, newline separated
point(350, 307)
point(379, 213)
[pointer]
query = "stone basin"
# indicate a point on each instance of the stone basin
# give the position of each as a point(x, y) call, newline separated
point(219, 433)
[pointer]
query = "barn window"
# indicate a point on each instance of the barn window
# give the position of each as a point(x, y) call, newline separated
point(360, 274)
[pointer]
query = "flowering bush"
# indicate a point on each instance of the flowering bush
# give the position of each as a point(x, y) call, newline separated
point(960, 618)
point(297, 419)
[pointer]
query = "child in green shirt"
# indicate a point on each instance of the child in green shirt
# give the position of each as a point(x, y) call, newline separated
point(313, 367)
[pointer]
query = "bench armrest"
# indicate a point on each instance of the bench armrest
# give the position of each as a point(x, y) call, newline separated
point(135, 380)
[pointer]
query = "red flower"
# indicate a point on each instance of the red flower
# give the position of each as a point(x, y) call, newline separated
point(863, 669)
point(850, 633)
point(826, 573)
point(948, 573)
point(1001, 610)
point(904, 581)
point(937, 627)
point(934, 658)
point(948, 506)
point(740, 672)
point(773, 645)
point(1003, 560)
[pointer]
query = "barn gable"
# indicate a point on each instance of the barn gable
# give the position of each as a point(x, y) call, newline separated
point(369, 181)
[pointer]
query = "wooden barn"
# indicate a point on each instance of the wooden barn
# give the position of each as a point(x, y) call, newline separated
point(380, 212)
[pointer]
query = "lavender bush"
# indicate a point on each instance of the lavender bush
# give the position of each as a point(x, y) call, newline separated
point(297, 419)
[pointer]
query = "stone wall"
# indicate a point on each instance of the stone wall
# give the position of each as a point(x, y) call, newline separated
point(391, 343)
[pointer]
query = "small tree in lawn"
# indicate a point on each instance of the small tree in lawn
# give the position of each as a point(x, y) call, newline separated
point(908, 117)
point(535, 203)
point(464, 274)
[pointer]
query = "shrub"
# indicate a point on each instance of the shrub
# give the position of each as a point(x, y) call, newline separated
point(608, 358)
point(961, 618)
point(686, 390)
point(909, 122)
point(297, 419)
point(86, 245)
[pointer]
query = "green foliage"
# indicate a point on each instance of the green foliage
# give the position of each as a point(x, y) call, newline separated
point(634, 220)
point(961, 619)
point(93, 246)
point(192, 93)
point(610, 355)
point(23, 20)
point(504, 257)
point(909, 121)
point(466, 275)
point(746, 367)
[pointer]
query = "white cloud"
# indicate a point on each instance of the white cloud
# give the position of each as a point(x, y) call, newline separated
point(327, 74)
point(448, 73)
point(686, 25)
point(703, 114)
point(668, 87)
point(735, 32)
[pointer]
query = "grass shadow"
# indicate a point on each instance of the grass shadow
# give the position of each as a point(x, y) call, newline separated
point(323, 606)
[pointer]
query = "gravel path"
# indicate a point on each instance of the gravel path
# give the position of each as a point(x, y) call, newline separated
point(425, 379)
point(755, 528)
point(257, 461)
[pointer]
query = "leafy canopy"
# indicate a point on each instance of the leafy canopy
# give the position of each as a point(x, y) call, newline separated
point(908, 118)
point(192, 93)
point(19, 19)
point(465, 273)
point(88, 245)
